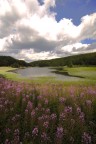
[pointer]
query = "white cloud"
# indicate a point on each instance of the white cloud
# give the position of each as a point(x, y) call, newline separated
point(74, 47)
point(29, 30)
point(30, 54)
point(88, 26)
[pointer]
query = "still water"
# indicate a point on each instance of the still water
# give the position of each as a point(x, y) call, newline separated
point(35, 72)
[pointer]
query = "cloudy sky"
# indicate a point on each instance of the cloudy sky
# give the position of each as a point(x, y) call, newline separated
point(46, 29)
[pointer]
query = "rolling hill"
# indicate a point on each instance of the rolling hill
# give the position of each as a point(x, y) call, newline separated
point(81, 59)
point(10, 61)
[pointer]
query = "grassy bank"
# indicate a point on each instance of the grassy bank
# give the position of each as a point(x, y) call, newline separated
point(87, 74)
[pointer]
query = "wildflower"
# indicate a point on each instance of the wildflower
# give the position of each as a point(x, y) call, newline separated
point(14, 119)
point(16, 132)
point(86, 138)
point(27, 96)
point(61, 99)
point(39, 106)
point(72, 121)
point(24, 100)
point(81, 117)
point(59, 133)
point(35, 131)
point(39, 97)
point(6, 102)
point(53, 116)
point(26, 111)
point(62, 116)
point(46, 124)
point(46, 101)
point(81, 95)
point(44, 137)
point(78, 110)
point(41, 118)
point(33, 113)
point(29, 105)
point(68, 109)
point(47, 110)
point(8, 130)
point(88, 103)
point(7, 141)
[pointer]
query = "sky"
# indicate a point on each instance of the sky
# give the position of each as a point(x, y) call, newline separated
point(34, 30)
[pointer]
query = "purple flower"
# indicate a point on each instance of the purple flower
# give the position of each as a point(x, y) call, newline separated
point(44, 137)
point(61, 99)
point(62, 116)
point(68, 109)
point(26, 111)
point(78, 110)
point(29, 105)
point(33, 113)
point(81, 95)
point(8, 130)
point(39, 97)
point(35, 131)
point(88, 103)
point(41, 118)
point(81, 116)
point(7, 141)
point(59, 133)
point(53, 116)
point(86, 138)
point(46, 124)
point(47, 110)
point(46, 101)
point(16, 132)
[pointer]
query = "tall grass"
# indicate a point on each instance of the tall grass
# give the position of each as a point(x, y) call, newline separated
point(47, 114)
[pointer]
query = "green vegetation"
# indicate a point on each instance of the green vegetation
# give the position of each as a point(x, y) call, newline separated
point(70, 61)
point(47, 114)
point(47, 111)
point(83, 72)
point(89, 74)
point(9, 61)
point(88, 59)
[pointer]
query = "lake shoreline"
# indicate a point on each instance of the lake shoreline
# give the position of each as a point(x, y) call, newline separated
point(56, 73)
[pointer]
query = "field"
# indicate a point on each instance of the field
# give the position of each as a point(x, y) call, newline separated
point(84, 72)
point(47, 113)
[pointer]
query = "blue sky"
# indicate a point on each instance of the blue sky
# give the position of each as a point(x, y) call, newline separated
point(74, 9)
point(45, 29)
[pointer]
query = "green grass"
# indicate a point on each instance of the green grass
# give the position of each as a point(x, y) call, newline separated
point(89, 74)
point(6, 72)
point(86, 72)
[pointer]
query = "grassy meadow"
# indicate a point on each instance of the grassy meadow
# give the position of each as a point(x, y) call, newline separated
point(46, 111)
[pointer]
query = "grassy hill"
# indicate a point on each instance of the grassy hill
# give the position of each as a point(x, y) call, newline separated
point(10, 61)
point(81, 59)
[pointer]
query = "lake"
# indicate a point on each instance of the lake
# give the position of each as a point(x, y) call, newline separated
point(35, 72)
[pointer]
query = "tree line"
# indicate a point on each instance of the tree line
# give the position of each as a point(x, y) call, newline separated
point(10, 61)
point(81, 59)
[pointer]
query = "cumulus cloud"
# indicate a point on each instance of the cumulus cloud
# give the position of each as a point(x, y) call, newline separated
point(29, 30)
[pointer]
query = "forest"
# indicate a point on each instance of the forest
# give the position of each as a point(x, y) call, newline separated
point(81, 59)
point(88, 59)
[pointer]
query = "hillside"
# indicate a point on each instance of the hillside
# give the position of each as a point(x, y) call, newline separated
point(10, 61)
point(81, 59)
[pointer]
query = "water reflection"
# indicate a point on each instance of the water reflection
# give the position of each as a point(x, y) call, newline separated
point(34, 72)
